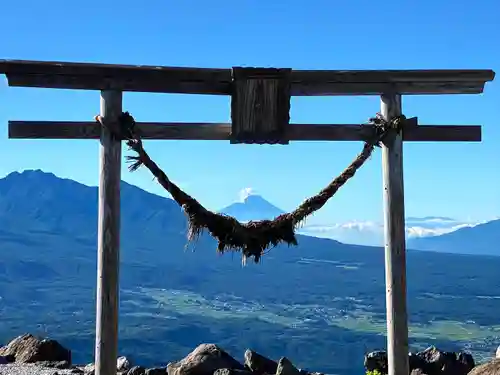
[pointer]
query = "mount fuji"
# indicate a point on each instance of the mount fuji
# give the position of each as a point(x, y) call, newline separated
point(252, 207)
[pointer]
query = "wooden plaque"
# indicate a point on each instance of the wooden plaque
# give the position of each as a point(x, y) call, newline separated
point(260, 105)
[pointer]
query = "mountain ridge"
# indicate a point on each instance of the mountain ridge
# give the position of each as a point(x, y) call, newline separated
point(253, 207)
point(481, 239)
point(30, 199)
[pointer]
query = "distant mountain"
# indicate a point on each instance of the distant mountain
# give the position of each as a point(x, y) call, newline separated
point(54, 217)
point(253, 207)
point(480, 239)
point(371, 233)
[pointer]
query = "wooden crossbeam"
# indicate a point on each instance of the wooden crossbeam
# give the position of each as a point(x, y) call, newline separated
point(91, 76)
point(222, 131)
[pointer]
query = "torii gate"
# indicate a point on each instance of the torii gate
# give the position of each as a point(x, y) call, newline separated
point(273, 103)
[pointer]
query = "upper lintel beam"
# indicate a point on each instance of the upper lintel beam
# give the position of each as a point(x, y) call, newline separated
point(91, 76)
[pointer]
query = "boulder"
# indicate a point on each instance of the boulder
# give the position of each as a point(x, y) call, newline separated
point(204, 360)
point(489, 368)
point(465, 362)
point(376, 361)
point(430, 361)
point(156, 371)
point(122, 364)
point(136, 370)
point(445, 363)
point(415, 362)
point(89, 369)
point(285, 367)
point(436, 361)
point(258, 364)
point(29, 349)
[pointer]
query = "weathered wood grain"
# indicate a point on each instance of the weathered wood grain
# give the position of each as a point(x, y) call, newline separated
point(222, 131)
point(91, 76)
point(404, 88)
point(395, 242)
point(260, 105)
point(108, 247)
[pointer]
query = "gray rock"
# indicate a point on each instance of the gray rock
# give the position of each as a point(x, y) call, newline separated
point(465, 362)
point(258, 364)
point(29, 349)
point(123, 364)
point(436, 361)
point(430, 361)
point(376, 360)
point(414, 362)
point(89, 369)
point(204, 360)
point(156, 371)
point(285, 367)
point(489, 368)
point(136, 370)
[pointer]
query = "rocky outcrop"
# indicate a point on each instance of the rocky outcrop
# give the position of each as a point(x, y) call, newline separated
point(258, 364)
point(51, 358)
point(489, 368)
point(209, 359)
point(30, 349)
point(123, 366)
point(204, 360)
point(28, 354)
point(136, 370)
point(431, 361)
point(285, 367)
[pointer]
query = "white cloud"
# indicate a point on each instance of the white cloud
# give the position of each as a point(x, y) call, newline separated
point(245, 193)
point(355, 232)
point(416, 231)
point(372, 233)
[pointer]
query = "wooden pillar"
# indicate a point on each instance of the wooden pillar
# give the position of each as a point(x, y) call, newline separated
point(395, 243)
point(106, 345)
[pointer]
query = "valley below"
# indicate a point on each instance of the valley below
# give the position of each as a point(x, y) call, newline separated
point(324, 313)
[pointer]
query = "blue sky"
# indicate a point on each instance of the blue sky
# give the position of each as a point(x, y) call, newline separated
point(461, 180)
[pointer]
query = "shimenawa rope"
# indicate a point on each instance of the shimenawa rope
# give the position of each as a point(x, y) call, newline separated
point(254, 237)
